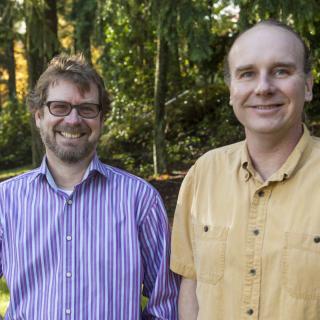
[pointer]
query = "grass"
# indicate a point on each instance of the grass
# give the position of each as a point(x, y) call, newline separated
point(6, 174)
point(4, 297)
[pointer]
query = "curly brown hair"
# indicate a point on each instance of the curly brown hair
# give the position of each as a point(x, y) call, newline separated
point(72, 68)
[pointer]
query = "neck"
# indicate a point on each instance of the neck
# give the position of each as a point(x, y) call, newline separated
point(269, 152)
point(67, 175)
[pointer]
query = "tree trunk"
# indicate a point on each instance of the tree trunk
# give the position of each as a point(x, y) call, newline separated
point(51, 42)
point(84, 26)
point(159, 151)
point(11, 65)
point(41, 44)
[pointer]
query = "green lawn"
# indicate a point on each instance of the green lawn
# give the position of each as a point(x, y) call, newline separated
point(4, 297)
point(6, 174)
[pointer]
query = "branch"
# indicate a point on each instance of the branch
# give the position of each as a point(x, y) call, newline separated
point(174, 99)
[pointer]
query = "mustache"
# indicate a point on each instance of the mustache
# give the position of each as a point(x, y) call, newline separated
point(71, 129)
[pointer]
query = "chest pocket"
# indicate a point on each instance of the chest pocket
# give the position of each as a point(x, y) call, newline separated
point(301, 265)
point(209, 252)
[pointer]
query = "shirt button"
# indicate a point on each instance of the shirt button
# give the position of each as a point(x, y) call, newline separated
point(69, 201)
point(69, 238)
point(256, 232)
point(316, 239)
point(253, 272)
point(68, 311)
point(261, 193)
point(205, 228)
point(250, 312)
point(68, 274)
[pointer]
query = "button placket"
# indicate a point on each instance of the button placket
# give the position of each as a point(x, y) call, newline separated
point(254, 244)
point(69, 211)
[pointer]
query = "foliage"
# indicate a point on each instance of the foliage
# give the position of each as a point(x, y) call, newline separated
point(123, 47)
point(203, 120)
point(15, 141)
point(4, 297)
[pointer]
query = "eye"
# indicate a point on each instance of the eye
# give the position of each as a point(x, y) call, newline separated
point(281, 72)
point(88, 109)
point(59, 107)
point(246, 75)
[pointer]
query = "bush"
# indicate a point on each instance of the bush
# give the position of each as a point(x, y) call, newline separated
point(201, 121)
point(15, 135)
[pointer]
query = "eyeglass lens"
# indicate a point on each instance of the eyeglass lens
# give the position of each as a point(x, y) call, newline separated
point(85, 110)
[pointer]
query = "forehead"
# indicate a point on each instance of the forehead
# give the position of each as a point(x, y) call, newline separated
point(263, 45)
point(67, 89)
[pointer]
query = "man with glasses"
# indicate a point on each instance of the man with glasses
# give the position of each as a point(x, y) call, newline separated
point(246, 232)
point(81, 239)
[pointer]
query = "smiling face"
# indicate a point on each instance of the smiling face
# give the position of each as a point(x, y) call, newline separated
point(268, 86)
point(71, 138)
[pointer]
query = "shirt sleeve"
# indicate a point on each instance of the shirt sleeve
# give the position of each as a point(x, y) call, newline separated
point(160, 285)
point(182, 259)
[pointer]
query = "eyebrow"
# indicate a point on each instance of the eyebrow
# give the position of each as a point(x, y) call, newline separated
point(244, 67)
point(288, 65)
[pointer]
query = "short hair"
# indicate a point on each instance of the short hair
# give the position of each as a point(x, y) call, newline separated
point(307, 59)
point(73, 68)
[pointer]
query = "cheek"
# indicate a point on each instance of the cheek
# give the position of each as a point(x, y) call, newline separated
point(239, 93)
point(297, 94)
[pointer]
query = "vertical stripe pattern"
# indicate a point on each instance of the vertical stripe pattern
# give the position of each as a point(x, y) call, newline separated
point(88, 255)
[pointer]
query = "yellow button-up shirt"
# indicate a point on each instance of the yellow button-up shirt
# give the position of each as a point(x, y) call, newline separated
point(253, 246)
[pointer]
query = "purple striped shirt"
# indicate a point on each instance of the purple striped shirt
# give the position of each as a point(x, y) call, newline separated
point(88, 255)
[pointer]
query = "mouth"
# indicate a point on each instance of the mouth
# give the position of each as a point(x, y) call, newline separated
point(268, 106)
point(69, 135)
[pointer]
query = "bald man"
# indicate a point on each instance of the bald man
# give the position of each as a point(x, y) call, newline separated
point(246, 233)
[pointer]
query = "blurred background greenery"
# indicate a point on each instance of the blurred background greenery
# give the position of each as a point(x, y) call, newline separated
point(162, 61)
point(4, 297)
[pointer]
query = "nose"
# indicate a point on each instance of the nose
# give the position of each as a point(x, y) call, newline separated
point(264, 85)
point(73, 117)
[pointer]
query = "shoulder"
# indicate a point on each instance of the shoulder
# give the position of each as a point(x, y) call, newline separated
point(223, 156)
point(19, 179)
point(214, 165)
point(136, 192)
point(127, 180)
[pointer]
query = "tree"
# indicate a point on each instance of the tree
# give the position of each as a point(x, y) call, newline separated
point(7, 19)
point(160, 90)
point(41, 45)
point(84, 13)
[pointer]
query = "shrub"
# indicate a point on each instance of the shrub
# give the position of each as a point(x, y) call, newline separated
point(15, 135)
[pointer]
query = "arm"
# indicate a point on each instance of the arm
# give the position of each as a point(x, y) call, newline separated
point(160, 284)
point(1, 229)
point(188, 304)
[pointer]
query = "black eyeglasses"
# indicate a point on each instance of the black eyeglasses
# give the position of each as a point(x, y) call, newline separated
point(85, 110)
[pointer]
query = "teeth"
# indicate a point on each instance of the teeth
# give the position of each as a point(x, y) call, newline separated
point(70, 135)
point(266, 107)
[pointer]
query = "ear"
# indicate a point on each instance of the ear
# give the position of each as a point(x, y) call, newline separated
point(37, 117)
point(308, 88)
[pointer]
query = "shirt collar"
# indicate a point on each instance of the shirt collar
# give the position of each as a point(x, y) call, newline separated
point(94, 166)
point(287, 169)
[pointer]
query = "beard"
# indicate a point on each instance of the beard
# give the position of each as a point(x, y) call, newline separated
point(70, 153)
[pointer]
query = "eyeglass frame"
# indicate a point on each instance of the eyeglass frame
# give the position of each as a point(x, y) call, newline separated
point(73, 106)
